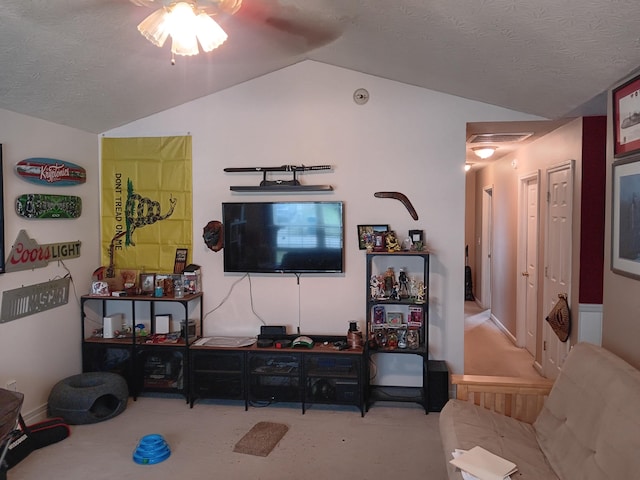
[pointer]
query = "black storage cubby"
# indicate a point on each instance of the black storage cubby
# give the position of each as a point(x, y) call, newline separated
point(274, 377)
point(217, 374)
point(109, 358)
point(160, 369)
point(148, 363)
point(333, 379)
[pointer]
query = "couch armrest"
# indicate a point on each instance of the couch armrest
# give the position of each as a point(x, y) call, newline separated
point(515, 397)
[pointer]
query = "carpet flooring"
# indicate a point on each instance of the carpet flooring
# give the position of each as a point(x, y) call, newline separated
point(391, 441)
point(488, 351)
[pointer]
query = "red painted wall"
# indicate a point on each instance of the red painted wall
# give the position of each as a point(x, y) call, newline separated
point(594, 175)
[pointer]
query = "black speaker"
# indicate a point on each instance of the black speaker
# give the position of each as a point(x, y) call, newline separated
point(438, 375)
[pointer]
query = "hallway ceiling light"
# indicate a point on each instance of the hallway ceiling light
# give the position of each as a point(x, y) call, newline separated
point(484, 152)
point(186, 24)
point(467, 167)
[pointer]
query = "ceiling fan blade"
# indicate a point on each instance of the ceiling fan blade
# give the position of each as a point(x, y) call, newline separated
point(314, 28)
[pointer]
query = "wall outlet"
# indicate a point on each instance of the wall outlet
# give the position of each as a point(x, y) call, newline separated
point(12, 385)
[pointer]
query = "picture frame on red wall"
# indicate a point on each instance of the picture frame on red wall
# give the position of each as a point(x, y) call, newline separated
point(626, 118)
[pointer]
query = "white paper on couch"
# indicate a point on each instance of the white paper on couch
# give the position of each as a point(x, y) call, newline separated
point(483, 464)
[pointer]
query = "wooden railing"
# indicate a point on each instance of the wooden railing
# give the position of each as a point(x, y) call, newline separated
point(515, 397)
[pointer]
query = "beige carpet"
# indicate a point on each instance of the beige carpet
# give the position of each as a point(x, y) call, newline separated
point(488, 351)
point(391, 441)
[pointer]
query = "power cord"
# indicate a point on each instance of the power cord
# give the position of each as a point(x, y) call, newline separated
point(75, 293)
point(299, 302)
point(233, 285)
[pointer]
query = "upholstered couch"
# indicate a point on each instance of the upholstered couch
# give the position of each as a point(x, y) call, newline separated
point(584, 426)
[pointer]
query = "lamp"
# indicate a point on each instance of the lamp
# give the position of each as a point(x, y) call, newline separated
point(484, 152)
point(187, 25)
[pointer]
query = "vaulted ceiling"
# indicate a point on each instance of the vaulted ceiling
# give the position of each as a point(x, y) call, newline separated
point(82, 63)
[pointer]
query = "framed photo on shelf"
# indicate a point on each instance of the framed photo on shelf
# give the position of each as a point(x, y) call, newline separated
point(147, 283)
point(394, 318)
point(416, 236)
point(625, 218)
point(626, 118)
point(366, 234)
point(181, 260)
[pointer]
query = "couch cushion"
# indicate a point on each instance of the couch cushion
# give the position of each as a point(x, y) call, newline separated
point(589, 427)
point(464, 425)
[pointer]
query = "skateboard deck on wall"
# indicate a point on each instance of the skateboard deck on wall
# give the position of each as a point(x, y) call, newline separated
point(40, 205)
point(51, 172)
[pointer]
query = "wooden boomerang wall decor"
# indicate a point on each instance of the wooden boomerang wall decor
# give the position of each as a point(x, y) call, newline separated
point(399, 196)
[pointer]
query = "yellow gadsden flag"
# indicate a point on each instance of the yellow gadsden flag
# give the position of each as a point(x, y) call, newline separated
point(146, 202)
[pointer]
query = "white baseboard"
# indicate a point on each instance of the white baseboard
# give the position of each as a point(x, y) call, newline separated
point(36, 415)
point(590, 323)
point(503, 329)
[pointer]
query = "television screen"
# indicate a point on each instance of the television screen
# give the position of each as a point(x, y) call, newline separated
point(296, 237)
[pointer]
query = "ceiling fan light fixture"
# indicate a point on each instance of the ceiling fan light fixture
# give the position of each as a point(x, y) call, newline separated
point(209, 33)
point(186, 25)
point(155, 27)
point(484, 152)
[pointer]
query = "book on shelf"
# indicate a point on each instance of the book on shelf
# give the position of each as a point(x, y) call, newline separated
point(483, 464)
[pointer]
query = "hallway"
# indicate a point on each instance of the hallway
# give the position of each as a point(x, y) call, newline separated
point(488, 351)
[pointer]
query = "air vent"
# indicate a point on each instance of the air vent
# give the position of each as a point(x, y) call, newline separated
point(498, 137)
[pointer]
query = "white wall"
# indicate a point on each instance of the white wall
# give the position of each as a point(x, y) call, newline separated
point(404, 139)
point(41, 349)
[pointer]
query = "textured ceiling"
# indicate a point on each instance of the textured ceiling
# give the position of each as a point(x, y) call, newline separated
point(82, 63)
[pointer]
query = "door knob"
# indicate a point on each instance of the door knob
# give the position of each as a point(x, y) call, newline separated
point(525, 274)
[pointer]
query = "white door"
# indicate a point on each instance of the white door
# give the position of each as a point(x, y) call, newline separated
point(527, 292)
point(558, 260)
point(487, 229)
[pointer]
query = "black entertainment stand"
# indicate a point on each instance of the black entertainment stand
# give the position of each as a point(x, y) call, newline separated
point(256, 376)
point(261, 376)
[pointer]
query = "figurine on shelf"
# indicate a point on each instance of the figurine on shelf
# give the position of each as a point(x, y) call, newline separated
point(403, 280)
point(421, 293)
point(413, 288)
point(389, 281)
point(413, 339)
point(402, 338)
point(394, 292)
point(392, 242)
point(392, 340)
point(374, 284)
point(141, 331)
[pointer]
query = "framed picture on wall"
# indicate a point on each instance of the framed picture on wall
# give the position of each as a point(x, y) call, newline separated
point(626, 118)
point(625, 217)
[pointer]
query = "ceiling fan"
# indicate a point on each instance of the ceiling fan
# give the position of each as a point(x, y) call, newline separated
point(192, 22)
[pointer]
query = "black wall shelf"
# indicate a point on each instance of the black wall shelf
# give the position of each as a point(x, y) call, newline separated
point(281, 188)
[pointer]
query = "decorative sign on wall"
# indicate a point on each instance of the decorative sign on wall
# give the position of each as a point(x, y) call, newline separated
point(25, 301)
point(26, 254)
point(51, 172)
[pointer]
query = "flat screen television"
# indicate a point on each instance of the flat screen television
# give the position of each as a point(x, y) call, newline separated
point(281, 237)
